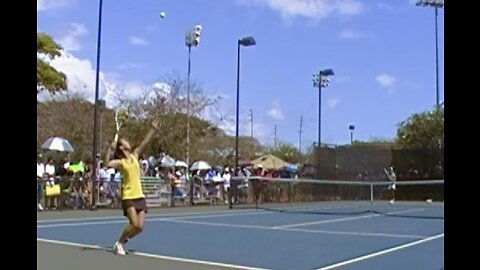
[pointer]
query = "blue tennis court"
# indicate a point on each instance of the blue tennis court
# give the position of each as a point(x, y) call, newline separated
point(260, 239)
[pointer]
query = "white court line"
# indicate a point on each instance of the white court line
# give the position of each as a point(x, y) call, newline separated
point(149, 219)
point(155, 256)
point(410, 236)
point(295, 229)
point(385, 251)
point(189, 215)
point(149, 215)
point(223, 215)
point(177, 220)
point(343, 219)
point(246, 211)
point(313, 206)
point(56, 225)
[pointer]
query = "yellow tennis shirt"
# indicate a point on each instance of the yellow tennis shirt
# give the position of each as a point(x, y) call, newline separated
point(131, 184)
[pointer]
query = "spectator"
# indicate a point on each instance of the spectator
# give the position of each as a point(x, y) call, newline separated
point(50, 177)
point(226, 184)
point(40, 181)
point(104, 178)
point(76, 191)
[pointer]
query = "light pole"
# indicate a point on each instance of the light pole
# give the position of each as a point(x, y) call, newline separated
point(97, 78)
point(351, 127)
point(192, 38)
point(320, 79)
point(435, 4)
point(246, 42)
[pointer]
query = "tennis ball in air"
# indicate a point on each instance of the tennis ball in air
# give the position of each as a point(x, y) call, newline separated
point(123, 113)
point(162, 15)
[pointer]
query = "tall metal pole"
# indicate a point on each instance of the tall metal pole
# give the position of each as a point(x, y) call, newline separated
point(187, 158)
point(232, 186)
point(436, 58)
point(435, 4)
point(97, 78)
point(320, 111)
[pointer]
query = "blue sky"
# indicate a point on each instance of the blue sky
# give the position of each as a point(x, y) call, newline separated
point(382, 52)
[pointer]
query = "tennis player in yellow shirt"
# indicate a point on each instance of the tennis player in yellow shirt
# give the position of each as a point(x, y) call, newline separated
point(133, 200)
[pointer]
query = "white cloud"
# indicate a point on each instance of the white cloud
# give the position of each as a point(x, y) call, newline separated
point(351, 34)
point(313, 9)
point(80, 77)
point(70, 42)
point(43, 5)
point(386, 80)
point(138, 41)
point(276, 111)
point(333, 102)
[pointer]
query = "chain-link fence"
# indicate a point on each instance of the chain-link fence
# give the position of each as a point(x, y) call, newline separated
point(367, 162)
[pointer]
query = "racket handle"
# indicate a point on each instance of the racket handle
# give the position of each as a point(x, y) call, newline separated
point(115, 139)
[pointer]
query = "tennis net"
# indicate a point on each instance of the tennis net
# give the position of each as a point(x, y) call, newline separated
point(415, 199)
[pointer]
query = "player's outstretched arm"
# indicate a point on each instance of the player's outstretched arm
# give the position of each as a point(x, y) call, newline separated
point(155, 126)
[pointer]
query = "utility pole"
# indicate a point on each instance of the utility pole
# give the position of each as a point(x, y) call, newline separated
point(300, 135)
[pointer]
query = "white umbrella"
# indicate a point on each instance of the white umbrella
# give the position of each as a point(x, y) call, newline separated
point(167, 162)
point(179, 163)
point(58, 144)
point(200, 165)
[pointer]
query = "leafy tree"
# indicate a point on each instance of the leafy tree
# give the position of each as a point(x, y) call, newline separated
point(72, 119)
point(285, 151)
point(167, 102)
point(423, 130)
point(374, 141)
point(48, 78)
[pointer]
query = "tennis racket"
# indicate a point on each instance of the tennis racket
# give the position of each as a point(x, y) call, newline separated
point(121, 115)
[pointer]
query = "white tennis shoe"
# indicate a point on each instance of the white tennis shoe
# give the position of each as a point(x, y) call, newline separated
point(118, 249)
